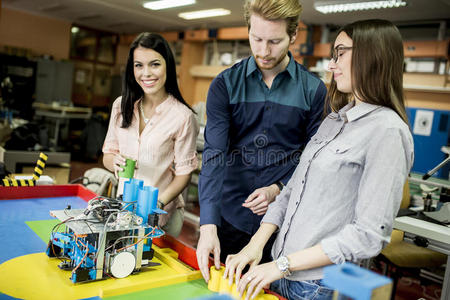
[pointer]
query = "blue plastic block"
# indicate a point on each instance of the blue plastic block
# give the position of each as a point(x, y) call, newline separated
point(93, 274)
point(154, 199)
point(143, 202)
point(130, 192)
point(353, 281)
point(154, 203)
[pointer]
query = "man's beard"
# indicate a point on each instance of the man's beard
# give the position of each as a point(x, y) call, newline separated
point(272, 64)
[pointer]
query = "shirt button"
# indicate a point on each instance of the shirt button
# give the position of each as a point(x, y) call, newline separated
point(268, 107)
point(264, 131)
point(303, 181)
point(296, 203)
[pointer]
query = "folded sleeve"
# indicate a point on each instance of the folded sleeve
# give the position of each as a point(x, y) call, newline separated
point(111, 143)
point(185, 148)
point(387, 164)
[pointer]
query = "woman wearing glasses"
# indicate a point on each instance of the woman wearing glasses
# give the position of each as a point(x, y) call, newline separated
point(343, 197)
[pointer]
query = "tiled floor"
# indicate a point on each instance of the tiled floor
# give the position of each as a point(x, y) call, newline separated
point(408, 288)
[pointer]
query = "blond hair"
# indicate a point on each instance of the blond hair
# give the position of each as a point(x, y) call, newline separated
point(288, 10)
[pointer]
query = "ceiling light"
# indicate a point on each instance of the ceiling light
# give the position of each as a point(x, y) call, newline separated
point(207, 13)
point(328, 6)
point(163, 4)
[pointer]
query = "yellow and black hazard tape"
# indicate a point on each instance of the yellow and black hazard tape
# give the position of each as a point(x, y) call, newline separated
point(18, 182)
point(40, 165)
point(38, 170)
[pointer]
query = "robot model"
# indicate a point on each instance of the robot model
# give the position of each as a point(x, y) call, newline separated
point(111, 237)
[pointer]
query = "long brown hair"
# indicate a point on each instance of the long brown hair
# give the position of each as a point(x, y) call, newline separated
point(377, 67)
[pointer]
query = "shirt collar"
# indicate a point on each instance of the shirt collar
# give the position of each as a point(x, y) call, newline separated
point(252, 67)
point(358, 111)
point(160, 106)
point(164, 104)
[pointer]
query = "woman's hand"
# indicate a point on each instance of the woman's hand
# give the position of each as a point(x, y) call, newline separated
point(257, 278)
point(118, 164)
point(235, 263)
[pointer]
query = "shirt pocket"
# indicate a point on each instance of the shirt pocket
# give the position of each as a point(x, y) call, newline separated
point(339, 148)
point(340, 157)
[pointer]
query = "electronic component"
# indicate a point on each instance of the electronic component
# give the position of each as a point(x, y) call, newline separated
point(107, 238)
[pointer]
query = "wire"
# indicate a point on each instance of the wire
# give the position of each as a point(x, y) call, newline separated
point(127, 204)
point(85, 255)
point(52, 235)
point(100, 244)
point(89, 226)
point(143, 238)
point(126, 237)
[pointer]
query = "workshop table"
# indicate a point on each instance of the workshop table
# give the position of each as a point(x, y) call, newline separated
point(27, 272)
point(61, 114)
point(437, 237)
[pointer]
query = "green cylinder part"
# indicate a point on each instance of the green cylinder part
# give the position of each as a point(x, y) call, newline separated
point(128, 170)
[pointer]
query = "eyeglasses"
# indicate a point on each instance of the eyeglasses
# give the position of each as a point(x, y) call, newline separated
point(338, 51)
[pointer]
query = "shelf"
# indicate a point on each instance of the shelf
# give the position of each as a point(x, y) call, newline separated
point(205, 71)
point(426, 48)
point(233, 33)
point(170, 36)
point(200, 35)
point(427, 88)
point(432, 49)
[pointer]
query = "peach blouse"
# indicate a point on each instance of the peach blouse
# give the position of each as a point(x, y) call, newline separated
point(165, 147)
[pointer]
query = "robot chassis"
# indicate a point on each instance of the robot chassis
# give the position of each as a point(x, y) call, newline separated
point(106, 238)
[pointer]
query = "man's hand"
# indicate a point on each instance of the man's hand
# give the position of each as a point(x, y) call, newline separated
point(208, 243)
point(259, 200)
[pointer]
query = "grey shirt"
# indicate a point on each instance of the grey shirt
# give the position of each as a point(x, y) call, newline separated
point(346, 189)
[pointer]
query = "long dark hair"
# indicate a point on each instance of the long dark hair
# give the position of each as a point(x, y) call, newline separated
point(377, 67)
point(131, 91)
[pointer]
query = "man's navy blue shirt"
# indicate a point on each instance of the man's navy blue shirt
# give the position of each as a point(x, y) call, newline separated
point(254, 136)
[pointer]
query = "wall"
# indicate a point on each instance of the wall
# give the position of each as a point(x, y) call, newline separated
point(39, 34)
point(192, 54)
point(121, 58)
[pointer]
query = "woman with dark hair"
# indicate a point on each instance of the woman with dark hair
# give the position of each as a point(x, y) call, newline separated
point(152, 124)
point(340, 203)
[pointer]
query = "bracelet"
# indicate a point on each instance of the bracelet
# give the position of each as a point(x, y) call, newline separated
point(160, 205)
point(280, 185)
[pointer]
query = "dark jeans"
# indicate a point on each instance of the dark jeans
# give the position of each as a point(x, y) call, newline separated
point(232, 240)
point(302, 290)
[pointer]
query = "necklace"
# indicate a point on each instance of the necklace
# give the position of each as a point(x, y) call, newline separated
point(142, 113)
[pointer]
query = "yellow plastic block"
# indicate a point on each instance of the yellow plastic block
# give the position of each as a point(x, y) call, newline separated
point(267, 297)
point(50, 282)
point(225, 287)
point(234, 292)
point(220, 285)
point(214, 278)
